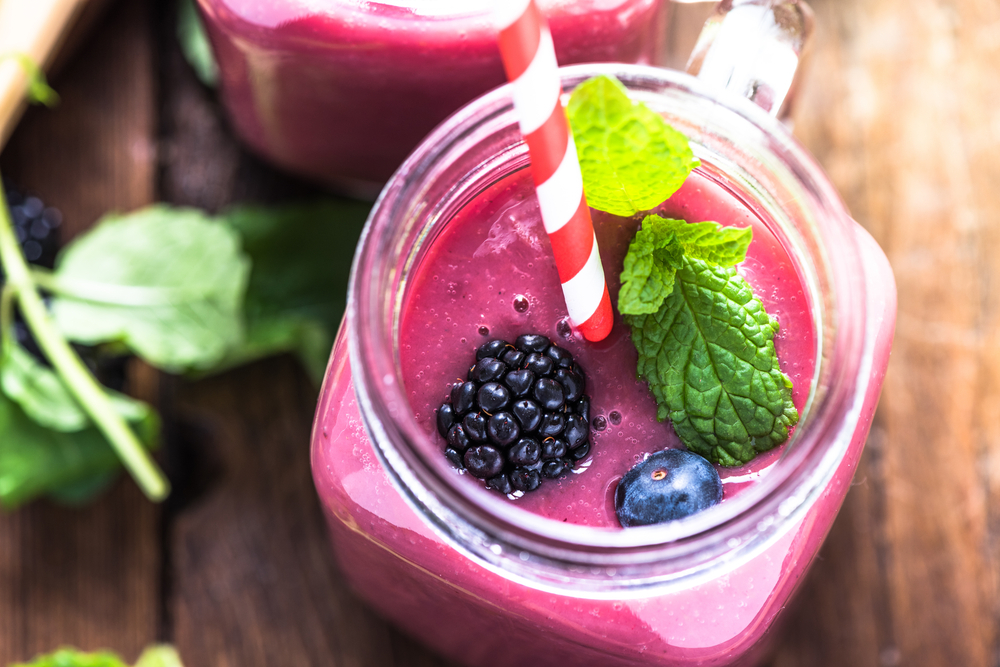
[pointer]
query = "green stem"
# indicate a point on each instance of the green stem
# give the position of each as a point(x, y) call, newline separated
point(81, 384)
point(7, 293)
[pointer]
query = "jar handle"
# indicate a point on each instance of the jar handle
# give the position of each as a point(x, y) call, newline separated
point(754, 48)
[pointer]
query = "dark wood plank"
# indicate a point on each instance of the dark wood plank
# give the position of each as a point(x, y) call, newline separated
point(900, 110)
point(87, 577)
point(252, 579)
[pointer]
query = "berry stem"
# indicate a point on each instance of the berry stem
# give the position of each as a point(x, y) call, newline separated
point(80, 382)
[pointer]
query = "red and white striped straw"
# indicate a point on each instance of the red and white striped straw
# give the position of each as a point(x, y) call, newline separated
point(530, 61)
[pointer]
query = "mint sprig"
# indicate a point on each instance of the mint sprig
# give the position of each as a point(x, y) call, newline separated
point(705, 342)
point(631, 159)
point(20, 287)
point(187, 292)
point(167, 283)
point(708, 356)
point(655, 253)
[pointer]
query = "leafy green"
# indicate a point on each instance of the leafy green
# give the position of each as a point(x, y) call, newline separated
point(301, 258)
point(39, 91)
point(655, 252)
point(36, 461)
point(708, 355)
point(67, 657)
point(154, 656)
point(167, 282)
point(631, 159)
point(649, 268)
point(195, 45)
point(162, 655)
point(44, 397)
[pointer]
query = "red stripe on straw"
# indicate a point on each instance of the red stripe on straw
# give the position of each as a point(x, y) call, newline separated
point(573, 241)
point(519, 41)
point(598, 326)
point(547, 145)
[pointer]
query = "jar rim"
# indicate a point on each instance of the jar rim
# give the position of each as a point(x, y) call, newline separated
point(544, 552)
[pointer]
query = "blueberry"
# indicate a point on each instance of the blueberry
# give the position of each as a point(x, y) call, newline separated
point(667, 486)
point(463, 397)
point(445, 419)
point(549, 394)
point(552, 425)
point(493, 396)
point(532, 343)
point(491, 349)
point(572, 384)
point(539, 364)
point(512, 357)
point(483, 461)
point(519, 382)
point(502, 429)
point(525, 453)
point(523, 479)
point(561, 357)
point(529, 414)
point(474, 425)
point(487, 370)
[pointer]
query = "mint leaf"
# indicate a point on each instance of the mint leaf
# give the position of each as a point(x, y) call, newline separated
point(655, 254)
point(711, 242)
point(195, 45)
point(708, 355)
point(301, 258)
point(168, 283)
point(45, 398)
point(631, 159)
point(36, 461)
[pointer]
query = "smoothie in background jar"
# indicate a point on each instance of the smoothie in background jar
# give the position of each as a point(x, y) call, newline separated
point(451, 255)
point(343, 90)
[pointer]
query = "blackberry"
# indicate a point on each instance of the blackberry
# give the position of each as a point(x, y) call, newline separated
point(36, 227)
point(520, 416)
point(37, 230)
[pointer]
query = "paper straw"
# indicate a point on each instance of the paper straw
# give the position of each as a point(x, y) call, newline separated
point(530, 60)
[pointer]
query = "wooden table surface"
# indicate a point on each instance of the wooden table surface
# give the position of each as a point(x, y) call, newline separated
point(902, 108)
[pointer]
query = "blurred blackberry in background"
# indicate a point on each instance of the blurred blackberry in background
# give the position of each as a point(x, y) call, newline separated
point(36, 227)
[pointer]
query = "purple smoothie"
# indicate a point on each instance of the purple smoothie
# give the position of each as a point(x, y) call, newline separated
point(493, 251)
point(341, 91)
point(453, 301)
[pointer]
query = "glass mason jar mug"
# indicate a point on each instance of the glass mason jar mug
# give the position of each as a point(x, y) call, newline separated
point(343, 90)
point(453, 249)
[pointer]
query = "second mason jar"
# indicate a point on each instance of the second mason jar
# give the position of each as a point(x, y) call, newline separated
point(342, 90)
